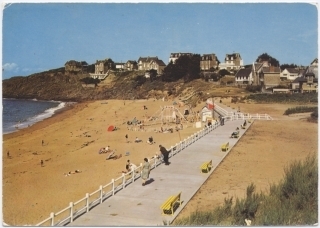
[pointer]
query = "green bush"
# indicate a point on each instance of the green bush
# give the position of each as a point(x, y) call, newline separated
point(253, 88)
point(300, 109)
point(285, 98)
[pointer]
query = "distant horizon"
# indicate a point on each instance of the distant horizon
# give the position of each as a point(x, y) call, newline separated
point(40, 37)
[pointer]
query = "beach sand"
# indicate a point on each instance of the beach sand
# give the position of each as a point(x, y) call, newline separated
point(72, 139)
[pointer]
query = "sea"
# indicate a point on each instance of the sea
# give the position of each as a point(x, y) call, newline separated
point(19, 113)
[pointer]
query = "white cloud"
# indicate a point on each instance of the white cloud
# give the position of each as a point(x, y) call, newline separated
point(10, 67)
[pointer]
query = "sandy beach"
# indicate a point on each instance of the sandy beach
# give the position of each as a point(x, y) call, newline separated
point(72, 139)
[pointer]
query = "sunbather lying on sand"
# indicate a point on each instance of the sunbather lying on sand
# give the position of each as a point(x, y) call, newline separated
point(72, 172)
point(137, 140)
point(114, 157)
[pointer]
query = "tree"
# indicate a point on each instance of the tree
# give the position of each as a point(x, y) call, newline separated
point(185, 67)
point(284, 66)
point(91, 68)
point(270, 59)
point(224, 72)
point(153, 74)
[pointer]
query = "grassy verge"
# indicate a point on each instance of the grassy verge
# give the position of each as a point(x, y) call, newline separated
point(285, 98)
point(300, 109)
point(293, 201)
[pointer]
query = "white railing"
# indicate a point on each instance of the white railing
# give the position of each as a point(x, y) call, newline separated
point(241, 116)
point(82, 206)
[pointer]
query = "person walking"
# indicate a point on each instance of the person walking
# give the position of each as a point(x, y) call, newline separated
point(127, 138)
point(146, 167)
point(165, 154)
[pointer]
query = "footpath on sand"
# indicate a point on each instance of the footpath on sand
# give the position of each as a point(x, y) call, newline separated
point(138, 205)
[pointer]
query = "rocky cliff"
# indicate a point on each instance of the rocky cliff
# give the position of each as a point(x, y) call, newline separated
point(56, 85)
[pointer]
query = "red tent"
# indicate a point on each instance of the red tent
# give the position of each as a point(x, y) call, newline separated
point(111, 128)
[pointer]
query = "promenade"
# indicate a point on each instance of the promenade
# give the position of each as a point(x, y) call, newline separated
point(138, 205)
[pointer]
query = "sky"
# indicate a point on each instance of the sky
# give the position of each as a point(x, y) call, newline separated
point(42, 36)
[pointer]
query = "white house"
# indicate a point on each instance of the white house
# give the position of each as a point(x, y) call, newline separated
point(289, 74)
point(174, 56)
point(206, 113)
point(232, 62)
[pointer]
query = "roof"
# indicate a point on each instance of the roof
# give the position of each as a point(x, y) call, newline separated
point(209, 56)
point(257, 66)
point(234, 55)
point(159, 62)
point(132, 61)
point(314, 62)
point(176, 55)
point(292, 70)
point(271, 69)
point(297, 80)
point(147, 59)
point(311, 69)
point(243, 72)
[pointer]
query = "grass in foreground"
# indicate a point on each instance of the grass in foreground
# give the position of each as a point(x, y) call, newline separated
point(293, 201)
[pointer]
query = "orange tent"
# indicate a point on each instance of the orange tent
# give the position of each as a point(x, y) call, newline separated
point(111, 128)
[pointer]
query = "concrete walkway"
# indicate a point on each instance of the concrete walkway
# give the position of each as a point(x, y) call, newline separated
point(138, 205)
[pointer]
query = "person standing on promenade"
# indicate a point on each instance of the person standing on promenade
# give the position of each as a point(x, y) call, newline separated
point(127, 138)
point(165, 154)
point(145, 171)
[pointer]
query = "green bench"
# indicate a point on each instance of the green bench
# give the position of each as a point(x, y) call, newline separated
point(206, 167)
point(169, 206)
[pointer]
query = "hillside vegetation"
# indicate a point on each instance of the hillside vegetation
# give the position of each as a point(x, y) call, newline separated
point(291, 202)
point(56, 85)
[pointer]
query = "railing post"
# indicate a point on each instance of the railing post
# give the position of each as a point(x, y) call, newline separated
point(123, 181)
point(101, 194)
point(52, 218)
point(112, 187)
point(87, 196)
point(71, 211)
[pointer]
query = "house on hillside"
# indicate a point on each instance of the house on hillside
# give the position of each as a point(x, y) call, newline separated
point(209, 61)
point(270, 76)
point(149, 63)
point(251, 75)
point(102, 68)
point(308, 82)
point(314, 62)
point(144, 62)
point(174, 56)
point(119, 66)
point(157, 65)
point(295, 85)
point(73, 66)
point(232, 62)
point(289, 74)
point(131, 65)
point(244, 76)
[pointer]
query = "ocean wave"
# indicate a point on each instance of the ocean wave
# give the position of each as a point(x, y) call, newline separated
point(37, 118)
point(47, 113)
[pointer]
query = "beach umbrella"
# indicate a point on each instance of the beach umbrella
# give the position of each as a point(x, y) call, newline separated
point(111, 128)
